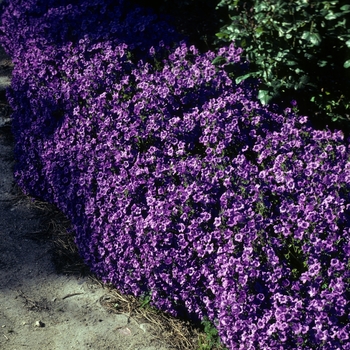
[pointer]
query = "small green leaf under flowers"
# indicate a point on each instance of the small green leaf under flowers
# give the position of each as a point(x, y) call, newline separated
point(347, 64)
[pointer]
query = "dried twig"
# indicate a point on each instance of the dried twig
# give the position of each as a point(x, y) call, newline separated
point(71, 295)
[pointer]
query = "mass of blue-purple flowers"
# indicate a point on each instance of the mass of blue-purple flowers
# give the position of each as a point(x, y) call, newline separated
point(178, 183)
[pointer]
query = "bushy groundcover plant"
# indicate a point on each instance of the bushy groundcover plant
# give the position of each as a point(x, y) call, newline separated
point(180, 186)
point(298, 48)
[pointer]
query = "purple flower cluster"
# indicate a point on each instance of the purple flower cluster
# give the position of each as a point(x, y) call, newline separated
point(178, 184)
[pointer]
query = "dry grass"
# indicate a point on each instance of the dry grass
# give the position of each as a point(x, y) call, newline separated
point(165, 328)
point(55, 226)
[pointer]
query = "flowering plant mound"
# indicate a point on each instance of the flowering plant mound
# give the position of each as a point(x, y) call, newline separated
point(179, 184)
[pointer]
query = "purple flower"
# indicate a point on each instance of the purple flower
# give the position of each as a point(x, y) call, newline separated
point(178, 183)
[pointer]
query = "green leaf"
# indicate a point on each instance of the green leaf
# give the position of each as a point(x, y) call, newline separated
point(332, 15)
point(146, 301)
point(244, 77)
point(347, 43)
point(218, 60)
point(264, 96)
point(220, 35)
point(304, 79)
point(259, 31)
point(346, 64)
point(261, 7)
point(305, 36)
point(322, 63)
point(315, 39)
point(345, 8)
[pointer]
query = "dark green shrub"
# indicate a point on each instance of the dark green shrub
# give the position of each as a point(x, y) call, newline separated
point(299, 49)
point(196, 19)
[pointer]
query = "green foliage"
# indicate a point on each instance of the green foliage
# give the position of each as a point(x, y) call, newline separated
point(197, 20)
point(299, 50)
point(210, 340)
point(145, 301)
